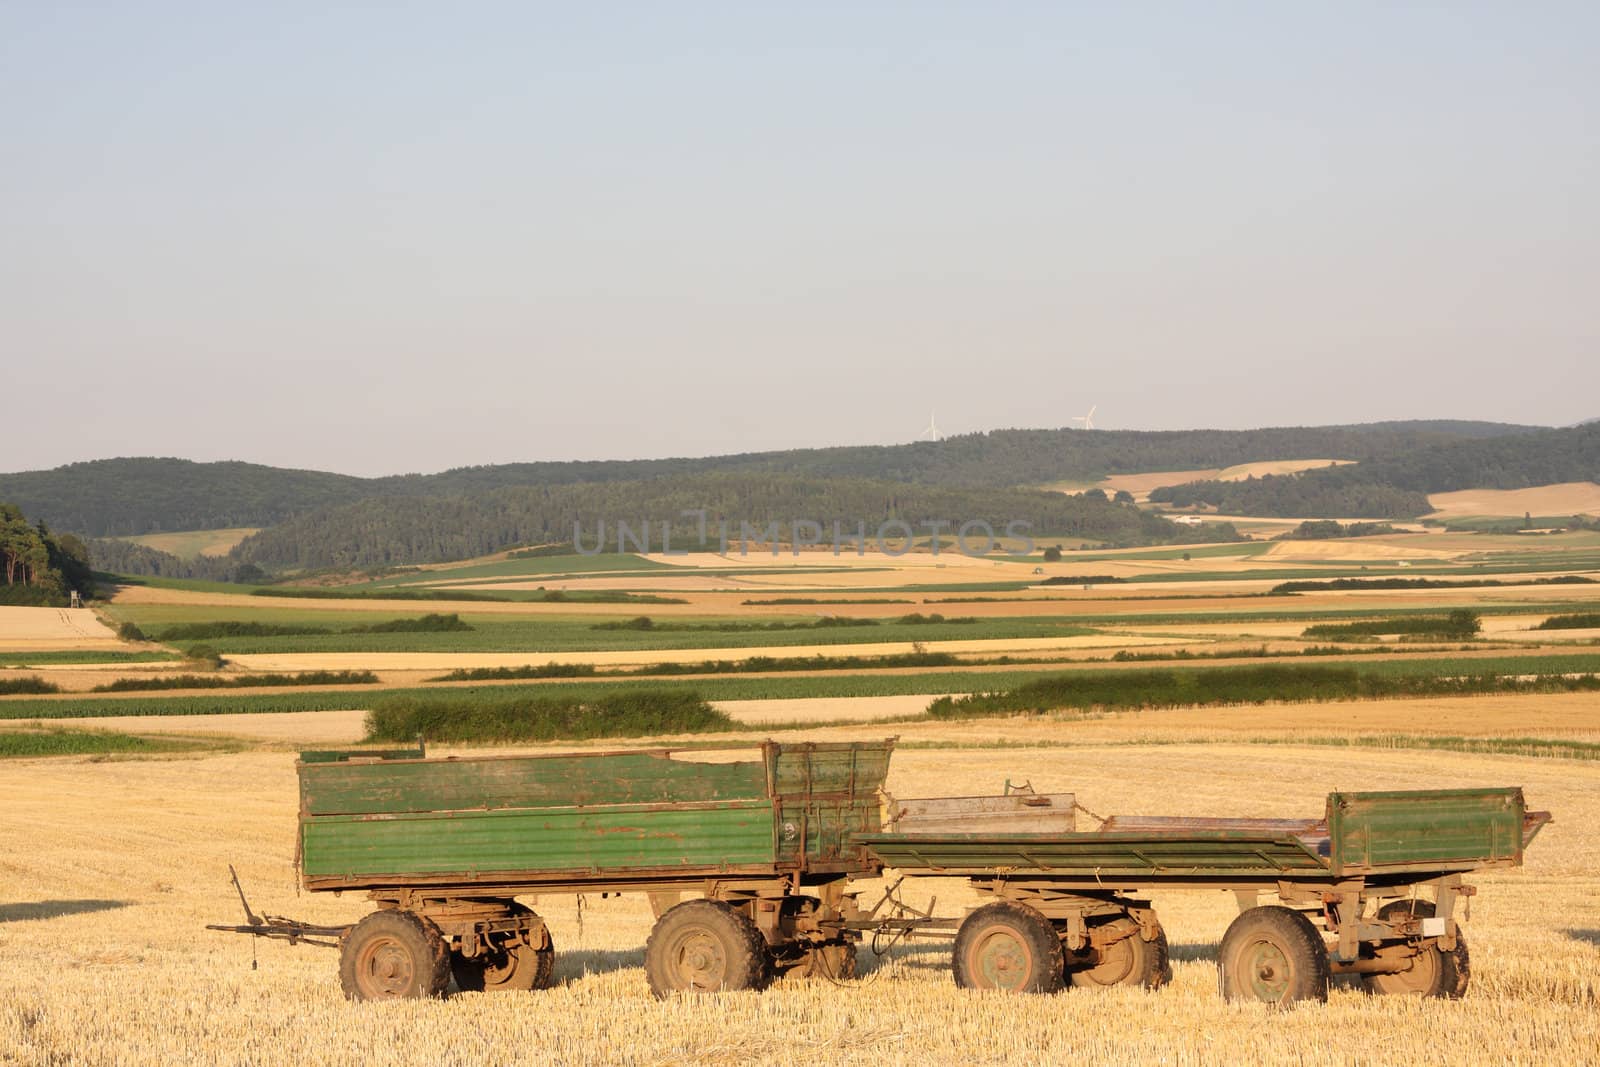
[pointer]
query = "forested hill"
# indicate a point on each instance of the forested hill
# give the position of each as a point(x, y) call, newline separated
point(390, 531)
point(123, 497)
point(1395, 486)
point(1515, 462)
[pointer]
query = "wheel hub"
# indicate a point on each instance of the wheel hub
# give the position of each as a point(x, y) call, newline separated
point(386, 969)
point(1002, 960)
point(701, 961)
point(1268, 970)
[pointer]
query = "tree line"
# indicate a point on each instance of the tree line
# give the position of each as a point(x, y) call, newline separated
point(398, 531)
point(1396, 486)
point(39, 567)
point(127, 497)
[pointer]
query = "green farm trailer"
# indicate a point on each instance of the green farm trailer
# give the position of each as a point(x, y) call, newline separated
point(745, 856)
point(750, 859)
point(1380, 874)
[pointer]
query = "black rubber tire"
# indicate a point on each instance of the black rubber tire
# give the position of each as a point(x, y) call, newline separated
point(1434, 973)
point(1274, 955)
point(1130, 961)
point(703, 946)
point(518, 970)
point(1010, 946)
point(392, 955)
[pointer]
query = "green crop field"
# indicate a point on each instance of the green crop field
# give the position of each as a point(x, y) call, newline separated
point(722, 688)
point(57, 659)
point(531, 567)
point(568, 633)
point(26, 744)
point(737, 688)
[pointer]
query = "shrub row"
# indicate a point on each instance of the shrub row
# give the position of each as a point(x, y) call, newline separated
point(31, 685)
point(1419, 583)
point(602, 596)
point(1460, 623)
point(210, 631)
point(545, 718)
point(749, 665)
point(201, 681)
point(645, 622)
point(1124, 690)
point(1586, 621)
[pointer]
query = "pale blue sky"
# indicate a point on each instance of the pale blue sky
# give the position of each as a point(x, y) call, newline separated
point(390, 237)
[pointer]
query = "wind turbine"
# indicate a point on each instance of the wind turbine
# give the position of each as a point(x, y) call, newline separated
point(932, 432)
point(1087, 420)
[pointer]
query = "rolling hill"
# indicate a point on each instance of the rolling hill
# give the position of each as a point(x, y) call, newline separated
point(131, 496)
point(1396, 486)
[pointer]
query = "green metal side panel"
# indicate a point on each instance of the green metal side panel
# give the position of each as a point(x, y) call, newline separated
point(825, 795)
point(1438, 829)
point(1198, 854)
point(627, 839)
point(489, 783)
point(819, 768)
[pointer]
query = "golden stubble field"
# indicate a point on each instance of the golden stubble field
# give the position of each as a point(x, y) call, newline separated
point(111, 869)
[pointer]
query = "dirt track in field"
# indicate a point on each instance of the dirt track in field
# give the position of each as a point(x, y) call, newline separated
point(53, 629)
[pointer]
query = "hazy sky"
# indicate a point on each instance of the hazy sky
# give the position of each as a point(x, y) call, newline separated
point(388, 237)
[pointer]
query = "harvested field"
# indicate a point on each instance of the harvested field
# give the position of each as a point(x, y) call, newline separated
point(1141, 484)
point(1559, 716)
point(1413, 547)
point(49, 629)
point(187, 544)
point(127, 915)
point(444, 661)
point(1240, 471)
point(1564, 498)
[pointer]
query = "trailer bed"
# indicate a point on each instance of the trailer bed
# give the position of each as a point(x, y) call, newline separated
point(397, 819)
point(1360, 835)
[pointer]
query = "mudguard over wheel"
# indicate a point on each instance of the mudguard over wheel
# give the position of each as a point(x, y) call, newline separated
point(1130, 960)
point(391, 955)
point(514, 967)
point(1008, 946)
point(1274, 955)
point(704, 946)
point(1434, 972)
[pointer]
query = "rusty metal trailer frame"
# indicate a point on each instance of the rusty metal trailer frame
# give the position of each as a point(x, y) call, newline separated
point(1355, 874)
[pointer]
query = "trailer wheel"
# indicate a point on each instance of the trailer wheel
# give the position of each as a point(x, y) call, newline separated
point(513, 968)
point(391, 955)
point(1131, 960)
point(703, 946)
point(1275, 955)
point(1008, 946)
point(1434, 972)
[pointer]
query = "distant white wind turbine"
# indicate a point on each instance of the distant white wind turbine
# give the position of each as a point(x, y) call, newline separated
point(1087, 420)
point(932, 432)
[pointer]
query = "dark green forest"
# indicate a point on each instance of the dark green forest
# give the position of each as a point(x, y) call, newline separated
point(1296, 496)
point(127, 557)
point(394, 531)
point(126, 497)
point(38, 567)
point(1396, 486)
